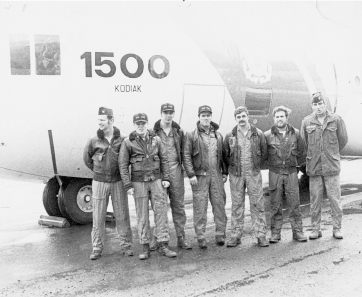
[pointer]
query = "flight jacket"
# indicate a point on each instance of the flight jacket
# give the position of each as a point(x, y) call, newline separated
point(285, 155)
point(194, 157)
point(101, 157)
point(231, 151)
point(148, 159)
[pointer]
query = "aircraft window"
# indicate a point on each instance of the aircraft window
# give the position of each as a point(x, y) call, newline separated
point(258, 101)
point(19, 54)
point(47, 54)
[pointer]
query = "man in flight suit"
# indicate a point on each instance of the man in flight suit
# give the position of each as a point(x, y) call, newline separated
point(285, 152)
point(204, 166)
point(325, 135)
point(147, 156)
point(244, 152)
point(101, 156)
point(172, 138)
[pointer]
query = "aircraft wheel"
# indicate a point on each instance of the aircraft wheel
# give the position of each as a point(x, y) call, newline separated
point(61, 204)
point(50, 198)
point(78, 200)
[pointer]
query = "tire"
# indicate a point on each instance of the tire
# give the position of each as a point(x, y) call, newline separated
point(50, 198)
point(78, 201)
point(61, 205)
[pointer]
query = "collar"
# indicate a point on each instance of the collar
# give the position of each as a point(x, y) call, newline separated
point(157, 126)
point(275, 130)
point(116, 133)
point(213, 126)
point(252, 130)
point(134, 135)
point(315, 118)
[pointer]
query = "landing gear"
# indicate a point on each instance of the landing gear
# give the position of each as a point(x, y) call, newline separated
point(76, 200)
point(72, 201)
point(50, 198)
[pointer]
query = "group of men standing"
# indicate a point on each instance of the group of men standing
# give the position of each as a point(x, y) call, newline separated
point(150, 163)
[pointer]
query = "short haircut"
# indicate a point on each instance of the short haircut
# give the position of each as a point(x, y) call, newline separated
point(110, 117)
point(241, 109)
point(286, 110)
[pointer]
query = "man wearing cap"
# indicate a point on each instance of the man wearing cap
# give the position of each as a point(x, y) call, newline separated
point(101, 156)
point(204, 166)
point(285, 153)
point(172, 138)
point(244, 152)
point(325, 135)
point(143, 150)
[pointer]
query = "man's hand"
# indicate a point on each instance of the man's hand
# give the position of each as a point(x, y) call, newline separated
point(130, 191)
point(224, 178)
point(165, 184)
point(193, 181)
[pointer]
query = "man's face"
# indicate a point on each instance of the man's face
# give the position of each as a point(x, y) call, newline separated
point(280, 120)
point(141, 127)
point(103, 122)
point(319, 108)
point(205, 119)
point(242, 119)
point(167, 116)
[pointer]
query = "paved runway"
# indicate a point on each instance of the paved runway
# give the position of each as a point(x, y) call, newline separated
point(42, 261)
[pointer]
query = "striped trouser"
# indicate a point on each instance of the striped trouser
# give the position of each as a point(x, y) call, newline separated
point(101, 192)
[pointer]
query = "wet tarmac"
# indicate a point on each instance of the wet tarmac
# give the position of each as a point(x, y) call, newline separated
point(42, 261)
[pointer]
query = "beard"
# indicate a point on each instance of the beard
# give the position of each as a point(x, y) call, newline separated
point(281, 125)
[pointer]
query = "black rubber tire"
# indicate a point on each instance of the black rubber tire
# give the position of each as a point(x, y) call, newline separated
point(50, 198)
point(61, 205)
point(70, 201)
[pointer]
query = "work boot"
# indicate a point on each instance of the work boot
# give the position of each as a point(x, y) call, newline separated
point(263, 242)
point(202, 244)
point(337, 234)
point(165, 251)
point(96, 254)
point(128, 251)
point(299, 236)
point(274, 238)
point(220, 239)
point(182, 243)
point(146, 252)
point(233, 241)
point(154, 244)
point(315, 234)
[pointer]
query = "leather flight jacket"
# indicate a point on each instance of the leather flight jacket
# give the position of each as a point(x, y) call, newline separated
point(231, 151)
point(285, 155)
point(195, 158)
point(101, 157)
point(148, 159)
